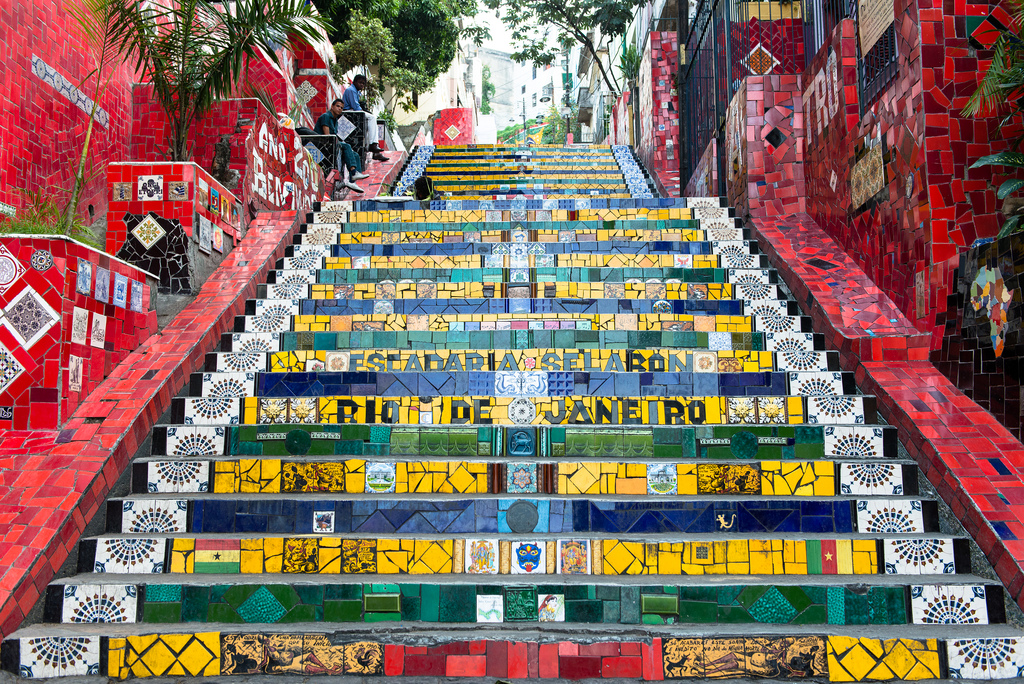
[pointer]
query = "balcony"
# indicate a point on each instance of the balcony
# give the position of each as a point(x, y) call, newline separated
point(586, 107)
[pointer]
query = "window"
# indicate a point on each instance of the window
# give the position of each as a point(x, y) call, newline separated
point(534, 99)
point(878, 68)
point(535, 72)
point(822, 18)
point(524, 90)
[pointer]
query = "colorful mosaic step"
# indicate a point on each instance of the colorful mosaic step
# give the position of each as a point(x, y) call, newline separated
point(607, 360)
point(722, 442)
point(611, 393)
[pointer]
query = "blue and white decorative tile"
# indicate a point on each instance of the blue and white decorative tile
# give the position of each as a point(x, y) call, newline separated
point(289, 289)
point(11, 269)
point(188, 441)
point(319, 234)
point(173, 477)
point(986, 658)
point(130, 555)
point(95, 603)
point(871, 479)
point(734, 254)
point(815, 384)
point(229, 385)
point(154, 516)
point(150, 188)
point(767, 319)
point(28, 317)
point(120, 294)
point(58, 656)
point(789, 340)
point(919, 556)
point(755, 292)
point(889, 516)
point(802, 361)
point(719, 341)
point(494, 261)
point(521, 383)
point(948, 605)
point(272, 316)
point(212, 410)
point(854, 442)
point(836, 410)
point(529, 557)
point(521, 478)
point(706, 212)
point(102, 292)
point(255, 343)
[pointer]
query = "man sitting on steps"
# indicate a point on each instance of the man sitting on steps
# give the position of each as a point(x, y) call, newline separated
point(345, 156)
point(350, 100)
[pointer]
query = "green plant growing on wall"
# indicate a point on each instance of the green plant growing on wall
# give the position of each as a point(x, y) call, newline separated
point(45, 212)
point(195, 53)
point(1001, 92)
point(629, 63)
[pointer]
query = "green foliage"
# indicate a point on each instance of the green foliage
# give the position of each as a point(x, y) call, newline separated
point(555, 126)
point(629, 62)
point(488, 89)
point(196, 53)
point(572, 20)
point(1012, 160)
point(45, 213)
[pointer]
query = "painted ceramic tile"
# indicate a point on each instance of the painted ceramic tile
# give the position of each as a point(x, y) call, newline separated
point(490, 608)
point(211, 411)
point(854, 442)
point(136, 296)
point(83, 279)
point(323, 522)
point(178, 476)
point(836, 410)
point(205, 234)
point(202, 192)
point(129, 555)
point(986, 658)
point(189, 441)
point(29, 317)
point(255, 342)
point(148, 231)
point(177, 191)
point(229, 384)
point(919, 556)
point(99, 331)
point(120, 290)
point(573, 557)
point(787, 341)
point(75, 373)
point(528, 558)
point(102, 293)
point(380, 478)
point(551, 607)
point(121, 192)
point(214, 206)
point(10, 269)
point(91, 603)
point(816, 384)
point(218, 240)
point(948, 605)
point(41, 260)
point(337, 362)
point(521, 478)
point(151, 188)
point(871, 479)
point(482, 556)
point(142, 516)
point(661, 478)
point(79, 325)
point(892, 516)
point(57, 656)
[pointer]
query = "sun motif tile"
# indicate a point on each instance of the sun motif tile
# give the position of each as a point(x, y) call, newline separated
point(789, 341)
point(191, 441)
point(211, 410)
point(231, 362)
point(177, 476)
point(986, 658)
point(871, 479)
point(92, 603)
point(919, 556)
point(948, 605)
point(255, 342)
point(229, 385)
point(129, 555)
point(892, 516)
point(142, 516)
point(58, 656)
point(816, 384)
point(836, 410)
point(854, 442)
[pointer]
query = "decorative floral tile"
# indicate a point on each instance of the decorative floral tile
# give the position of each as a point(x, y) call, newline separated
point(986, 658)
point(255, 342)
point(10, 269)
point(871, 479)
point(819, 384)
point(93, 603)
point(789, 341)
point(58, 656)
point(188, 441)
point(948, 605)
point(521, 478)
point(148, 232)
point(230, 362)
point(212, 410)
point(802, 361)
point(836, 410)
point(29, 317)
point(229, 384)
point(129, 555)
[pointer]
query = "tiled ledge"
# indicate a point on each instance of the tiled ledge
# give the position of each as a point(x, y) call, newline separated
point(976, 464)
point(52, 491)
point(858, 319)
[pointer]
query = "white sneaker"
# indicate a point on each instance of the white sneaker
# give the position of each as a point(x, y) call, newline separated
point(359, 175)
point(352, 186)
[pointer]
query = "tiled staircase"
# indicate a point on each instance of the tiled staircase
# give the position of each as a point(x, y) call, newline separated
point(592, 409)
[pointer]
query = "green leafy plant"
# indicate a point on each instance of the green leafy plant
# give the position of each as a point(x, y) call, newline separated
point(487, 90)
point(45, 212)
point(629, 62)
point(555, 126)
point(194, 52)
point(1012, 160)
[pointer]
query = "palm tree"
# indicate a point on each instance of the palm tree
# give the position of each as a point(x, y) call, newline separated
point(195, 53)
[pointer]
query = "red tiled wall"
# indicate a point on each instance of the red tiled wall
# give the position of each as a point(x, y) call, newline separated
point(622, 121)
point(41, 131)
point(704, 181)
point(659, 109)
point(183, 211)
point(39, 397)
point(462, 119)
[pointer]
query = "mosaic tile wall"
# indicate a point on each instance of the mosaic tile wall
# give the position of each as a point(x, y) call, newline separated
point(704, 180)
point(166, 218)
point(659, 111)
point(43, 102)
point(70, 314)
point(454, 127)
point(280, 173)
point(981, 345)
